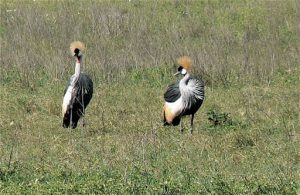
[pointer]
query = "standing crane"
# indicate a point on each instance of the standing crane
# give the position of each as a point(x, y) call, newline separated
point(183, 97)
point(79, 91)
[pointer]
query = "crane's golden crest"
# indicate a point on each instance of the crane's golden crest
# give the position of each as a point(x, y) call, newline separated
point(185, 62)
point(77, 44)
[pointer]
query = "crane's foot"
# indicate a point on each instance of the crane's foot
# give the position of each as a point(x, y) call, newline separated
point(191, 131)
point(181, 128)
point(192, 124)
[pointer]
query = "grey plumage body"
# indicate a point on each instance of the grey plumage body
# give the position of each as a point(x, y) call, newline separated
point(81, 94)
point(191, 91)
point(79, 91)
point(185, 98)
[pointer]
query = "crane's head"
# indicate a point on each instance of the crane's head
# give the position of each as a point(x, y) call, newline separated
point(77, 49)
point(181, 70)
point(185, 64)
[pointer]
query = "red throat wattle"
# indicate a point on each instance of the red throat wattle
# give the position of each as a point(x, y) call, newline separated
point(78, 59)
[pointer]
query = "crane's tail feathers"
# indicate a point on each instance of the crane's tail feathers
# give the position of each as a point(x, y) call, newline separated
point(77, 45)
point(185, 62)
point(176, 121)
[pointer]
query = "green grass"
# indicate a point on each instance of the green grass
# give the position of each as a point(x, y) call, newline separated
point(246, 51)
point(125, 148)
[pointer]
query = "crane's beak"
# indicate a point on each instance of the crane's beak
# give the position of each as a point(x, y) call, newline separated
point(177, 73)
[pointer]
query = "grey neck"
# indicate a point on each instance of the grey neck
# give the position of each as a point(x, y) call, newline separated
point(184, 80)
point(77, 69)
point(77, 66)
point(183, 86)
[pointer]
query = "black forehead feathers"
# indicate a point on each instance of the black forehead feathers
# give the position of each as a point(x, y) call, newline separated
point(180, 68)
point(76, 50)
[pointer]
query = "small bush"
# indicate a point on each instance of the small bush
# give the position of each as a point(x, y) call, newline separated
point(218, 118)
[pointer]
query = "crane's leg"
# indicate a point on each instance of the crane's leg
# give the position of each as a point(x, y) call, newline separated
point(71, 117)
point(181, 129)
point(192, 123)
point(83, 108)
point(81, 115)
point(83, 120)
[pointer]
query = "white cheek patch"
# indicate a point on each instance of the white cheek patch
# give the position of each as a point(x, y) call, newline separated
point(183, 71)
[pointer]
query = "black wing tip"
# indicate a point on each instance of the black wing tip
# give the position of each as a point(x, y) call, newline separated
point(165, 123)
point(172, 93)
point(72, 126)
point(175, 122)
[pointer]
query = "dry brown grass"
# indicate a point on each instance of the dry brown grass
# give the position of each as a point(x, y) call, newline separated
point(251, 39)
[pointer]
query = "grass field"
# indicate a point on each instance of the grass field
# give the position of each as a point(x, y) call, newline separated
point(247, 52)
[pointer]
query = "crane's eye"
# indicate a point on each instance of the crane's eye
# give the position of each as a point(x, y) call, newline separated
point(179, 68)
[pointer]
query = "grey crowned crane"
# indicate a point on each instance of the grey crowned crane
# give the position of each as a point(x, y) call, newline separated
point(79, 91)
point(183, 97)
